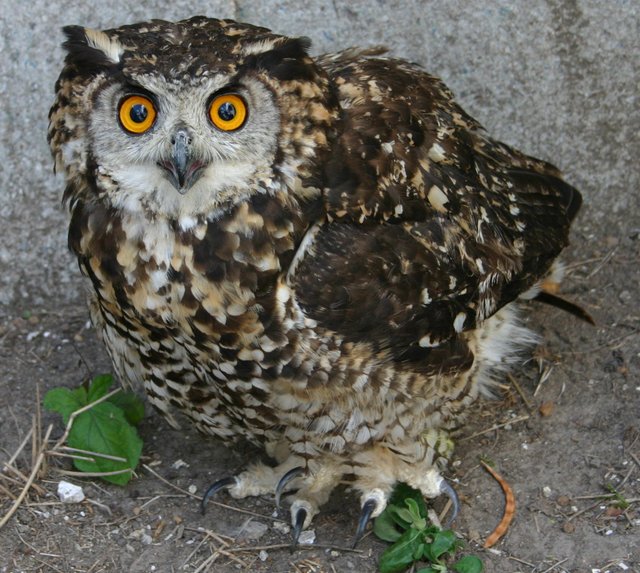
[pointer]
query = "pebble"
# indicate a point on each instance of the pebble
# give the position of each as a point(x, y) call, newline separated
point(281, 527)
point(251, 530)
point(307, 537)
point(568, 527)
point(624, 296)
point(69, 492)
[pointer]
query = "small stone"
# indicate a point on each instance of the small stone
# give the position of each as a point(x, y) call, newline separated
point(474, 535)
point(546, 409)
point(624, 296)
point(179, 464)
point(307, 537)
point(192, 489)
point(281, 527)
point(563, 500)
point(69, 492)
point(546, 491)
point(141, 535)
point(251, 530)
point(613, 512)
point(263, 555)
point(568, 527)
point(334, 553)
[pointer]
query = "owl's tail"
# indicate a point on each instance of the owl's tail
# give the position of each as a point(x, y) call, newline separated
point(564, 304)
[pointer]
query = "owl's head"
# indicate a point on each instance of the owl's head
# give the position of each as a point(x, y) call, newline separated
point(188, 118)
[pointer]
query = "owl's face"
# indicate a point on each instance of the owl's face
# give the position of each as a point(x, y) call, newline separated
point(178, 149)
point(186, 119)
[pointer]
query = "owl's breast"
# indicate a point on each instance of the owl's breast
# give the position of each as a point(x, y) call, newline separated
point(210, 284)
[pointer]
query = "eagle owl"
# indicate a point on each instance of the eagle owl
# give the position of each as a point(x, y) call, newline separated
point(321, 255)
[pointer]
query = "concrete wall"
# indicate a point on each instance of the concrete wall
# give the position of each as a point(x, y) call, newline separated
point(557, 78)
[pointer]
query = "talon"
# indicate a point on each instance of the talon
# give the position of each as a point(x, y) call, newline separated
point(301, 516)
point(216, 487)
point(368, 508)
point(446, 488)
point(284, 480)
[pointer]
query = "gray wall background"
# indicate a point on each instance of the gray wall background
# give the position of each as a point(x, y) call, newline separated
point(557, 78)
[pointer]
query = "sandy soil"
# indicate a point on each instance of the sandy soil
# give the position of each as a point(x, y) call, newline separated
point(559, 464)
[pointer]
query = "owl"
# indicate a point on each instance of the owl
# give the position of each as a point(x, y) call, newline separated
point(321, 255)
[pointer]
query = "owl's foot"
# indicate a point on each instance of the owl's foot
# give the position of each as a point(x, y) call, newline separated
point(375, 479)
point(374, 501)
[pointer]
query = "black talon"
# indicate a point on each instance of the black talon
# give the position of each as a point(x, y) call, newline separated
point(368, 508)
point(214, 488)
point(301, 515)
point(446, 488)
point(284, 480)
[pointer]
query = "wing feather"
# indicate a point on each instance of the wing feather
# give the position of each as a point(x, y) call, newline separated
point(431, 226)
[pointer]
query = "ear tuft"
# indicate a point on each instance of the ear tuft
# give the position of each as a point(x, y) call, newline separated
point(91, 49)
point(285, 60)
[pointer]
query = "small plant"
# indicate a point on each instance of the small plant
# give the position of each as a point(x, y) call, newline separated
point(404, 523)
point(620, 501)
point(102, 432)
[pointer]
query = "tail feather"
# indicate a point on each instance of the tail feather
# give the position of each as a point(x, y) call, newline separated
point(563, 304)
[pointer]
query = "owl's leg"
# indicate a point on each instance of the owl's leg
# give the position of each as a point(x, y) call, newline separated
point(378, 469)
point(257, 479)
point(316, 483)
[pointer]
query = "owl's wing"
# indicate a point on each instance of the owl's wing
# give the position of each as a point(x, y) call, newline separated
point(430, 227)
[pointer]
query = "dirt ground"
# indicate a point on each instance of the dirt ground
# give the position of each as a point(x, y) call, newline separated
point(584, 379)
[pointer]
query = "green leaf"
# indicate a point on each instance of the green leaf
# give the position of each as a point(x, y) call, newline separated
point(131, 405)
point(385, 527)
point(404, 514)
point(416, 520)
point(104, 429)
point(99, 387)
point(395, 513)
point(428, 570)
point(64, 401)
point(400, 555)
point(443, 542)
point(403, 492)
point(468, 564)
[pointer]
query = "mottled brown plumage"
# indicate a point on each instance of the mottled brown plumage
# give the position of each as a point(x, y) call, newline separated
point(333, 280)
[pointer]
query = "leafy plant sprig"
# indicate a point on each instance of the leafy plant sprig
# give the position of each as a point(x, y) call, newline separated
point(107, 427)
point(404, 523)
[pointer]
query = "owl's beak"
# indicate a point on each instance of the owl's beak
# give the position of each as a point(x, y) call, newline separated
point(181, 169)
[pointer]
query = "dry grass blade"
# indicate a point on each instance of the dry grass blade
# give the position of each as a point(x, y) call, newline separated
point(92, 474)
point(93, 454)
point(496, 427)
point(522, 395)
point(34, 472)
point(21, 447)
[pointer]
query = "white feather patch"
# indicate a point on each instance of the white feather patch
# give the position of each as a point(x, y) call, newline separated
point(100, 41)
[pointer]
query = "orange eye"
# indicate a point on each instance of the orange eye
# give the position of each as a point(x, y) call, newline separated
point(137, 114)
point(228, 112)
